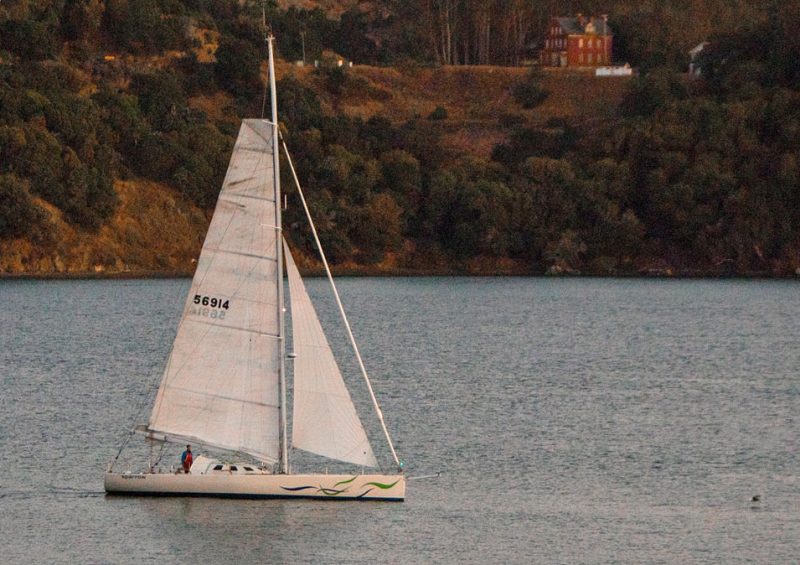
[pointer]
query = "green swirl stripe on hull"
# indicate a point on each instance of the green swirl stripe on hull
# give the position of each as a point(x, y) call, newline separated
point(323, 490)
point(346, 482)
point(381, 485)
point(336, 492)
point(331, 491)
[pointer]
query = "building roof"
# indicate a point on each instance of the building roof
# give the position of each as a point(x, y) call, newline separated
point(572, 26)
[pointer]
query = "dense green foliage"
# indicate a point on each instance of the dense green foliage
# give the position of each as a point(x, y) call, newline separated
point(57, 140)
point(18, 213)
point(696, 175)
point(699, 175)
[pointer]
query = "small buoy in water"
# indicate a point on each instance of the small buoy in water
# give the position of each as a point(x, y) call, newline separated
point(756, 498)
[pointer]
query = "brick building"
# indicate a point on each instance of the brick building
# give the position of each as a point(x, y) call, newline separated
point(577, 42)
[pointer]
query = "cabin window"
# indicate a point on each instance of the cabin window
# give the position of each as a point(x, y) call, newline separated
point(218, 467)
point(234, 468)
point(248, 468)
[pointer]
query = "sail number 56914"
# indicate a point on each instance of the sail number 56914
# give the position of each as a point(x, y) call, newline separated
point(211, 301)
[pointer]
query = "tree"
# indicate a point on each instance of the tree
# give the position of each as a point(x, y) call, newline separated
point(400, 172)
point(653, 91)
point(238, 67)
point(31, 40)
point(143, 26)
point(19, 215)
point(81, 20)
point(299, 107)
point(530, 92)
point(379, 228)
point(566, 253)
point(161, 99)
point(352, 38)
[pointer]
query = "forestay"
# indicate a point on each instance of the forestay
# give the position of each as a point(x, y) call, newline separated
point(221, 383)
point(324, 420)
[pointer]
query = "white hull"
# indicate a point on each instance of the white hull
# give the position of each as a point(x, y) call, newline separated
point(328, 487)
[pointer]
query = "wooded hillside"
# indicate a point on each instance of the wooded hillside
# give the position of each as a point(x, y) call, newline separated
point(117, 119)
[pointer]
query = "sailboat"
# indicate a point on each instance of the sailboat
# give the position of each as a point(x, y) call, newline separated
point(224, 386)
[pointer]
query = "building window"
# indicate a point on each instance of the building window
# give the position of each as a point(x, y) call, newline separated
point(580, 44)
point(591, 58)
point(591, 43)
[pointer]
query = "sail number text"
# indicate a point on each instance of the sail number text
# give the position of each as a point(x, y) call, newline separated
point(211, 301)
point(209, 306)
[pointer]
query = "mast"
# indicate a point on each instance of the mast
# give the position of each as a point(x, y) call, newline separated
point(284, 451)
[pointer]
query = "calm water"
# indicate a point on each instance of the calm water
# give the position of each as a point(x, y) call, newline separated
point(575, 421)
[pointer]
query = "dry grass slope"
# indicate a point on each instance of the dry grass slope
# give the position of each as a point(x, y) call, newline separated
point(155, 230)
point(475, 98)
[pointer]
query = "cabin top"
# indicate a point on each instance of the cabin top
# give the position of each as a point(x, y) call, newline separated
point(207, 466)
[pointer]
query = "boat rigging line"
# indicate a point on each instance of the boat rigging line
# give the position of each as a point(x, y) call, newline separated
point(375, 404)
point(145, 402)
point(420, 477)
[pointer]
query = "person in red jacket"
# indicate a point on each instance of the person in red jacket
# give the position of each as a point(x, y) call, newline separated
point(186, 459)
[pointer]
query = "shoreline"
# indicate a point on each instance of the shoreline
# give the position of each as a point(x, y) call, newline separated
point(404, 273)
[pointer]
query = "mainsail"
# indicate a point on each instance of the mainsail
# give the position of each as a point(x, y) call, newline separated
point(221, 383)
point(324, 420)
